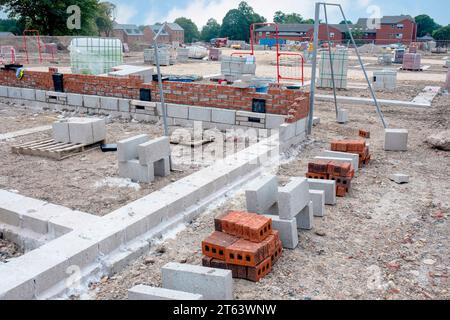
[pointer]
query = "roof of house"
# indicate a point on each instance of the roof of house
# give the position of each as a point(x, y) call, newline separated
point(175, 26)
point(156, 27)
point(6, 34)
point(129, 29)
point(362, 22)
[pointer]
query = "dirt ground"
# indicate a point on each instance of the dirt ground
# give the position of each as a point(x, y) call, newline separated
point(8, 250)
point(382, 241)
point(88, 182)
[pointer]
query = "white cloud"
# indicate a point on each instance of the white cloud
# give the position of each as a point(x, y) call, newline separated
point(126, 13)
point(201, 10)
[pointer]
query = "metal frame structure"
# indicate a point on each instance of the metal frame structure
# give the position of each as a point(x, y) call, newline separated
point(314, 63)
point(37, 35)
point(279, 54)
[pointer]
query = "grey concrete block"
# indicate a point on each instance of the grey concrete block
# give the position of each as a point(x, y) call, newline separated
point(3, 91)
point(61, 131)
point(74, 99)
point(399, 178)
point(41, 95)
point(334, 154)
point(136, 172)
point(305, 219)
point(177, 111)
point(142, 292)
point(127, 148)
point(247, 114)
point(287, 230)
point(91, 102)
point(162, 167)
point(223, 116)
point(300, 127)
point(342, 116)
point(262, 194)
point(287, 131)
point(293, 197)
point(14, 93)
point(87, 130)
point(109, 103)
point(328, 186)
point(200, 114)
point(274, 121)
point(316, 121)
point(212, 284)
point(318, 200)
point(124, 105)
point(396, 140)
point(154, 150)
point(28, 94)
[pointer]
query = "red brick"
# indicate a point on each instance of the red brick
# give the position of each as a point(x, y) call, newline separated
point(215, 245)
point(260, 271)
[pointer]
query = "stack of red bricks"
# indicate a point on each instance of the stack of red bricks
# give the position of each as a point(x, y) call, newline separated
point(342, 173)
point(244, 243)
point(353, 146)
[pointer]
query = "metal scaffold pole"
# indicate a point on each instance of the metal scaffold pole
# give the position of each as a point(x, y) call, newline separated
point(314, 68)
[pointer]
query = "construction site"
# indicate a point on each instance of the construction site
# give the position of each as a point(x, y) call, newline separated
point(316, 171)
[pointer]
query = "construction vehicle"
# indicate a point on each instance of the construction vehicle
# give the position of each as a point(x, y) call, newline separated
point(219, 42)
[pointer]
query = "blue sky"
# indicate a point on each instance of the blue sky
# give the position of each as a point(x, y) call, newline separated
point(151, 11)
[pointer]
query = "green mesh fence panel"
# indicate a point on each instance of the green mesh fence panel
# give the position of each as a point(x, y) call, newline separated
point(340, 68)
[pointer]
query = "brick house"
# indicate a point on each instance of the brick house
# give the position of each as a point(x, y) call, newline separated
point(172, 33)
point(393, 29)
point(128, 33)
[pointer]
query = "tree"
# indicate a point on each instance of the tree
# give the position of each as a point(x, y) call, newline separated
point(211, 30)
point(105, 19)
point(442, 33)
point(191, 32)
point(425, 25)
point(348, 22)
point(11, 25)
point(234, 26)
point(50, 17)
point(236, 23)
point(309, 21)
point(292, 18)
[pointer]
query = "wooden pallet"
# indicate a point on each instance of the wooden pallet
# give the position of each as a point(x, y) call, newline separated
point(415, 70)
point(49, 148)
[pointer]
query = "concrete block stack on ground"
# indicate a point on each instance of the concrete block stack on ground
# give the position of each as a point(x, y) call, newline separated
point(244, 243)
point(339, 170)
point(384, 80)
point(141, 160)
point(85, 131)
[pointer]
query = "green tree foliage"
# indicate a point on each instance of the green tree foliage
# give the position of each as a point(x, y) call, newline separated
point(104, 20)
point(309, 21)
point(442, 33)
point(348, 22)
point(191, 32)
point(283, 18)
point(211, 30)
point(426, 25)
point(11, 25)
point(50, 16)
point(236, 23)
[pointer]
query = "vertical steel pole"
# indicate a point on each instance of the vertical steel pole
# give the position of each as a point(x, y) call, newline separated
point(314, 66)
point(331, 59)
point(377, 105)
point(161, 89)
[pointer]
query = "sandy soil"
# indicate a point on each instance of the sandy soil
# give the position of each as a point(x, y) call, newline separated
point(382, 241)
point(8, 250)
point(88, 182)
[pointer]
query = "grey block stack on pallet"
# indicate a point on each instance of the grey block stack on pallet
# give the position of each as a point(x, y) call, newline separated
point(237, 66)
point(84, 131)
point(384, 80)
point(340, 69)
point(164, 55)
point(182, 54)
point(141, 159)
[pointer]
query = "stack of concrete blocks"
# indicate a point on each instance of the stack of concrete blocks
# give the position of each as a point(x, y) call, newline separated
point(251, 119)
point(215, 54)
point(164, 56)
point(182, 54)
point(396, 140)
point(412, 61)
point(234, 67)
point(141, 159)
point(291, 134)
point(385, 59)
point(399, 55)
point(187, 282)
point(85, 131)
point(384, 80)
point(146, 111)
point(340, 69)
point(447, 82)
point(124, 71)
point(342, 116)
point(291, 207)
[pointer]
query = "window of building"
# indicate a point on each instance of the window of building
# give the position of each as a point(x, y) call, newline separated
point(400, 26)
point(332, 35)
point(399, 36)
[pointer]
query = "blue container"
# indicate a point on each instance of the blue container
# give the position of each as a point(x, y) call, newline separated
point(263, 89)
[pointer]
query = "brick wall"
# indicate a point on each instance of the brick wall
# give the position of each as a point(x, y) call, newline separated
point(294, 103)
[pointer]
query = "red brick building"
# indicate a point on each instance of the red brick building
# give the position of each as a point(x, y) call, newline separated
point(128, 33)
point(392, 29)
point(172, 33)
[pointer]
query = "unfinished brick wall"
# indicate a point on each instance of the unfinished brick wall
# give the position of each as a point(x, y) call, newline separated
point(293, 103)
